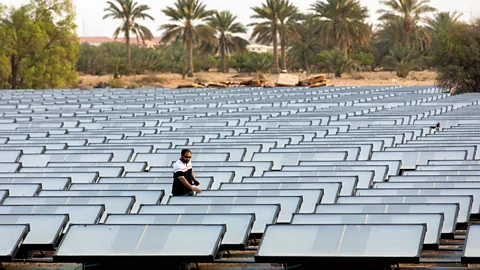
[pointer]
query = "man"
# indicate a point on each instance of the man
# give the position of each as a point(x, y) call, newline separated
point(184, 181)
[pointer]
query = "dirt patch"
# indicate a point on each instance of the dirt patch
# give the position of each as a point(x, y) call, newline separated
point(169, 80)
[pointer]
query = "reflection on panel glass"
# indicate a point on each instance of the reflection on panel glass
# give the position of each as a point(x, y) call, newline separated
point(475, 193)
point(281, 159)
point(342, 241)
point(141, 196)
point(53, 183)
point(449, 211)
point(12, 236)
point(410, 159)
point(114, 205)
point(434, 222)
point(140, 240)
point(264, 214)
point(44, 229)
point(349, 184)
point(78, 214)
point(365, 178)
point(288, 204)
point(238, 226)
point(311, 198)
point(464, 202)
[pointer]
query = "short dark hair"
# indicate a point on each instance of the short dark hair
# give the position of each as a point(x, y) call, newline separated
point(184, 151)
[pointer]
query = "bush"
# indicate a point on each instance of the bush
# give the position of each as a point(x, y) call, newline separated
point(335, 61)
point(116, 83)
point(365, 60)
point(133, 86)
point(151, 79)
point(403, 60)
point(456, 58)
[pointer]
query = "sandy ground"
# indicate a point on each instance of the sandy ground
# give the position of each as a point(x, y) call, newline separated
point(173, 80)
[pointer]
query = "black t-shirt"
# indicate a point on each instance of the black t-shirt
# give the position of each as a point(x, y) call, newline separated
point(185, 170)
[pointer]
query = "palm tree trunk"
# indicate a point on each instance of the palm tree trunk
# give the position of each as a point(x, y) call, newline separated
point(190, 57)
point(407, 38)
point(283, 46)
point(224, 62)
point(275, 50)
point(14, 75)
point(305, 63)
point(127, 44)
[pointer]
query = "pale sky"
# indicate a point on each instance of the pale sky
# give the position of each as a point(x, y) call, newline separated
point(90, 12)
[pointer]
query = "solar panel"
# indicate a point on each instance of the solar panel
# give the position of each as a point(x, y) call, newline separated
point(84, 177)
point(450, 184)
point(288, 204)
point(260, 166)
point(44, 232)
point(449, 211)
point(167, 159)
point(141, 196)
point(353, 153)
point(22, 189)
point(410, 159)
point(365, 178)
point(471, 250)
point(239, 172)
point(3, 194)
point(339, 243)
point(464, 202)
point(264, 213)
point(348, 183)
point(10, 156)
point(41, 160)
point(153, 243)
point(238, 226)
point(475, 193)
point(284, 158)
point(102, 171)
point(58, 183)
point(310, 197)
point(78, 214)
point(113, 204)
point(12, 237)
point(434, 178)
point(434, 222)
point(9, 167)
point(218, 177)
point(128, 166)
point(139, 183)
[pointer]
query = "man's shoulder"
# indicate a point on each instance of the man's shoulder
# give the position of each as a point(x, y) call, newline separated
point(177, 165)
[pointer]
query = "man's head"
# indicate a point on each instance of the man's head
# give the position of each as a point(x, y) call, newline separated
point(186, 155)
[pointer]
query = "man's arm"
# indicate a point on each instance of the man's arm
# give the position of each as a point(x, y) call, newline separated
point(185, 183)
point(195, 181)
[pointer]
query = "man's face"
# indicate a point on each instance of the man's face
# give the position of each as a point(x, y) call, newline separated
point(187, 157)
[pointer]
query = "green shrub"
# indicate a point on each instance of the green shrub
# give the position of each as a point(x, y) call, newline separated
point(335, 61)
point(403, 60)
point(133, 86)
point(116, 83)
point(151, 79)
point(456, 58)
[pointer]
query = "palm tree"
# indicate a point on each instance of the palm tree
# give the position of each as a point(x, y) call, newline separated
point(266, 31)
point(289, 18)
point(343, 22)
point(306, 48)
point(228, 43)
point(407, 14)
point(128, 11)
point(188, 21)
point(443, 22)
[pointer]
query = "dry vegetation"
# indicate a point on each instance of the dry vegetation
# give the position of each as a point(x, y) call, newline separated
point(173, 80)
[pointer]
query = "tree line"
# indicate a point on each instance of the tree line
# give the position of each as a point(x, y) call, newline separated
point(39, 47)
